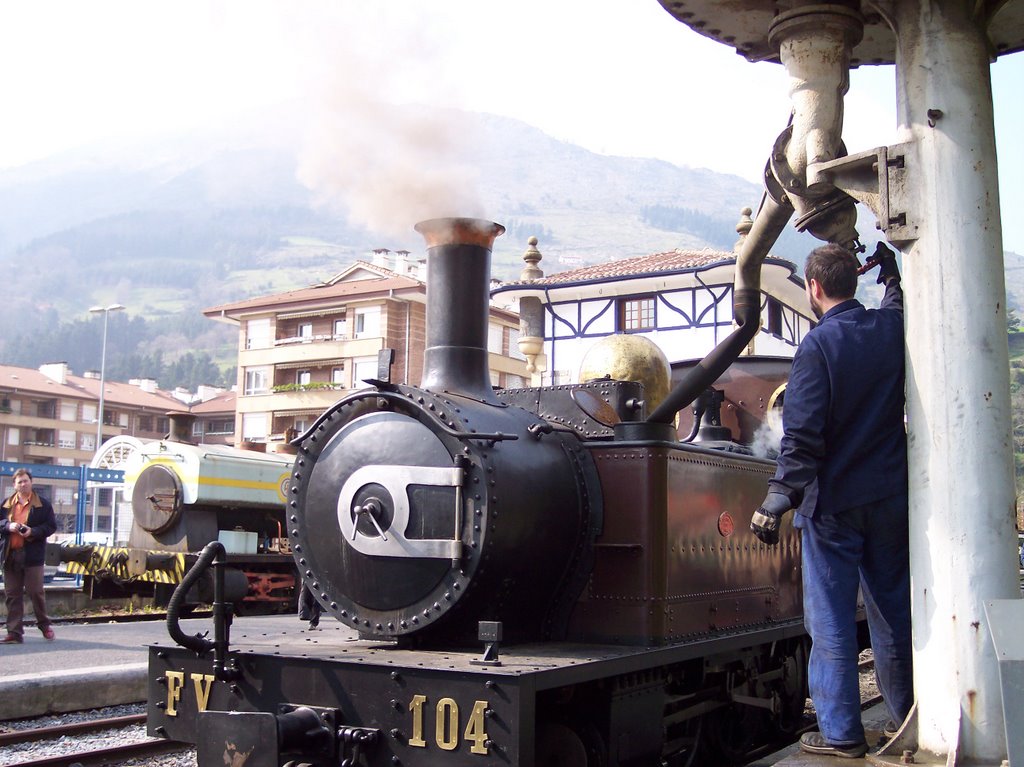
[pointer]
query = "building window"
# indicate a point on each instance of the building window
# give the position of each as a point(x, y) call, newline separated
point(221, 426)
point(68, 411)
point(338, 376)
point(495, 335)
point(636, 314)
point(254, 427)
point(87, 441)
point(163, 425)
point(340, 328)
point(774, 312)
point(256, 381)
point(88, 414)
point(513, 345)
point(300, 425)
point(145, 423)
point(257, 334)
point(513, 381)
point(197, 428)
point(13, 435)
point(66, 439)
point(363, 369)
point(368, 322)
point(305, 330)
point(302, 377)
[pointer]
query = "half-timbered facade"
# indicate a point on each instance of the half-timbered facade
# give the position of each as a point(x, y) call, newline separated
point(681, 300)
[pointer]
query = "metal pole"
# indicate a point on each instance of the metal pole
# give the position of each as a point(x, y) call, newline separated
point(103, 370)
point(99, 419)
point(958, 403)
point(105, 310)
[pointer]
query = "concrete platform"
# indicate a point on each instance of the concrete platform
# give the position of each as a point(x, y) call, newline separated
point(875, 719)
point(90, 665)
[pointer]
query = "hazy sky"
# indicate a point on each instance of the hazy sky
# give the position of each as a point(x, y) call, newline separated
point(615, 76)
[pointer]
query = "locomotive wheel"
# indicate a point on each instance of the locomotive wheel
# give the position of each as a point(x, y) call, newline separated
point(559, 745)
point(687, 745)
point(732, 732)
point(794, 692)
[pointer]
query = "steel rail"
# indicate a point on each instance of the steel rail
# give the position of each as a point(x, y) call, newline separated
point(108, 756)
point(73, 728)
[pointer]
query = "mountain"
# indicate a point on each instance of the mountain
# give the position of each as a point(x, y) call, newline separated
point(181, 223)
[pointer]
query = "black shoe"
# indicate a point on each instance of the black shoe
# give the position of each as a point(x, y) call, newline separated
point(815, 743)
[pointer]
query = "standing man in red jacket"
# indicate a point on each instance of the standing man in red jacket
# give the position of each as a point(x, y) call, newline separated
point(26, 521)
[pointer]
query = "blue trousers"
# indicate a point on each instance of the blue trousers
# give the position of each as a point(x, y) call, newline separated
point(867, 548)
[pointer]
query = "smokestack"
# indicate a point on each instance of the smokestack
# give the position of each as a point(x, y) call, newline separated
point(458, 305)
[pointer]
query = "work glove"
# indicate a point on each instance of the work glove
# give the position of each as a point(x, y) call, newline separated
point(887, 269)
point(766, 520)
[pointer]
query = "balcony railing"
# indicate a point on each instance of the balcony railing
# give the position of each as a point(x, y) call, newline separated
point(312, 386)
point(311, 339)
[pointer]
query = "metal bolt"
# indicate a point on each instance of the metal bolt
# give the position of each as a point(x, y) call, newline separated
point(908, 757)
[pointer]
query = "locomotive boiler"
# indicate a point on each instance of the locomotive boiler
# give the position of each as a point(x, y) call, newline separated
point(536, 577)
point(184, 495)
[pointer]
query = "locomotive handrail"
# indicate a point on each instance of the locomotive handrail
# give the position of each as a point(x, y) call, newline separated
point(198, 643)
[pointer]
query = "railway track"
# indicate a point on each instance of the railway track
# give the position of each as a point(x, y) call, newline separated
point(143, 747)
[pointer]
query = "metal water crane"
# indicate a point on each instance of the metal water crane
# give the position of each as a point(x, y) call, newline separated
point(934, 192)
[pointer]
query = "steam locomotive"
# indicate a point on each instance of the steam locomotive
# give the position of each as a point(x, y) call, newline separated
point(183, 496)
point(537, 577)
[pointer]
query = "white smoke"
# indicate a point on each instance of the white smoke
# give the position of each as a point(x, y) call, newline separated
point(768, 439)
point(383, 163)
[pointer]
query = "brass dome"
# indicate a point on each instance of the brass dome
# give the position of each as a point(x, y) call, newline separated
point(629, 358)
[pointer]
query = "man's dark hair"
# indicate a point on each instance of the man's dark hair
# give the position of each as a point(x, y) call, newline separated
point(835, 269)
point(21, 472)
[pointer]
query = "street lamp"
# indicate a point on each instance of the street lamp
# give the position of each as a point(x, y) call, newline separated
point(105, 311)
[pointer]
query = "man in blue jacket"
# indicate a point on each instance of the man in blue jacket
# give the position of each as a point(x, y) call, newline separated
point(26, 521)
point(843, 467)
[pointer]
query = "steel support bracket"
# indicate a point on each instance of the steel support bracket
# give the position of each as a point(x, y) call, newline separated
point(1006, 624)
point(879, 178)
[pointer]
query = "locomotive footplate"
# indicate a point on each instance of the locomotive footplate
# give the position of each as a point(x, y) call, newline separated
point(327, 699)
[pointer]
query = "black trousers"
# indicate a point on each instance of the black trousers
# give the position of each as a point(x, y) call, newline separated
point(309, 608)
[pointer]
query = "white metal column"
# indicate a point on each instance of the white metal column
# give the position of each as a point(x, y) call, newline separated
point(963, 545)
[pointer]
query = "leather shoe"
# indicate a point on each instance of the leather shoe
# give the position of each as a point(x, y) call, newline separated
point(815, 743)
point(11, 639)
point(48, 634)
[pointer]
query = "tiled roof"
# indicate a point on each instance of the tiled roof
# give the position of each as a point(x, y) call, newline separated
point(222, 403)
point(324, 292)
point(117, 393)
point(671, 261)
point(114, 392)
point(29, 380)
